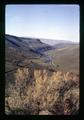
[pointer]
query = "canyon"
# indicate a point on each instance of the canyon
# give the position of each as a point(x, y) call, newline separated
point(41, 79)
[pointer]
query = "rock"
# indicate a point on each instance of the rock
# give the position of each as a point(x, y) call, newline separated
point(45, 113)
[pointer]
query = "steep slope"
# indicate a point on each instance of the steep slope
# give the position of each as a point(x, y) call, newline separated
point(36, 44)
point(19, 51)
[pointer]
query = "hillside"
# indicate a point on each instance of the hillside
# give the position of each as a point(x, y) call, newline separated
point(41, 79)
point(66, 56)
point(23, 50)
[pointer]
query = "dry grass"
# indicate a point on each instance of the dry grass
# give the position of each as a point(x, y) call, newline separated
point(36, 90)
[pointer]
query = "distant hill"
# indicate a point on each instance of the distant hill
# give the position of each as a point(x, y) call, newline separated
point(54, 42)
point(65, 44)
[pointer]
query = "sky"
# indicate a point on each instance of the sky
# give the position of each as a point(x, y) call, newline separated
point(58, 22)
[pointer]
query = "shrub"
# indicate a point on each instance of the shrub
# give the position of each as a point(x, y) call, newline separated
point(48, 90)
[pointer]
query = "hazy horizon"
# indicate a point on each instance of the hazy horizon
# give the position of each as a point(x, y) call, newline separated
point(56, 22)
